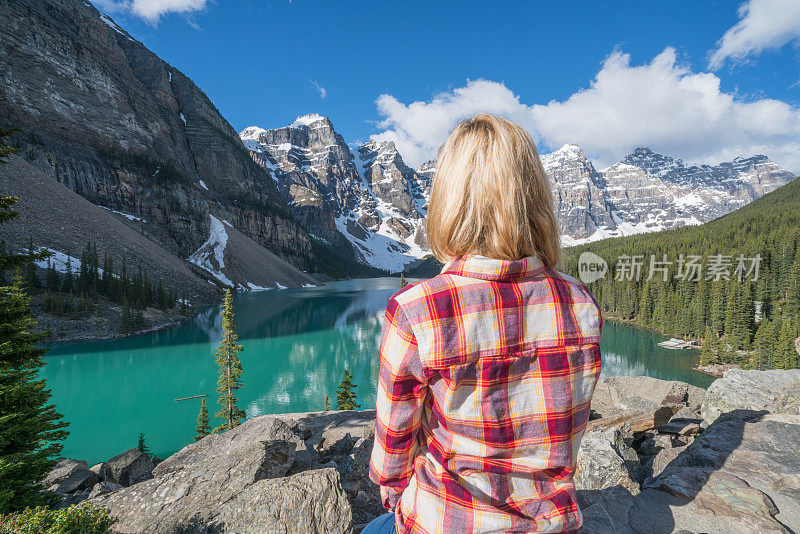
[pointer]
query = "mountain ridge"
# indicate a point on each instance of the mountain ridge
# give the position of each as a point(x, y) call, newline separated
point(643, 192)
point(109, 119)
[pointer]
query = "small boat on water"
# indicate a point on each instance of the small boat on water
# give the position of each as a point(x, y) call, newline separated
point(675, 343)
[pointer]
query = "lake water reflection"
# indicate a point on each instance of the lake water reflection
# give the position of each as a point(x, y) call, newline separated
point(297, 344)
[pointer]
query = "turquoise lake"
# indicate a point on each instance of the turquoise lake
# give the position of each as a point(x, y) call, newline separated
point(298, 342)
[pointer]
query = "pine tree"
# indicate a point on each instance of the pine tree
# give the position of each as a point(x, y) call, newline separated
point(346, 397)
point(717, 311)
point(778, 353)
point(126, 322)
point(784, 355)
point(30, 428)
point(403, 282)
point(230, 368)
point(710, 350)
point(142, 446)
point(203, 427)
point(327, 404)
point(762, 346)
point(69, 282)
point(52, 281)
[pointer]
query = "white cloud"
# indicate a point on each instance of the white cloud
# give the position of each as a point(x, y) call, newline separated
point(661, 105)
point(151, 10)
point(764, 24)
point(323, 93)
point(419, 128)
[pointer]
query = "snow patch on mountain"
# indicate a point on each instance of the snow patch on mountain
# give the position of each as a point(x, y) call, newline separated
point(307, 120)
point(126, 215)
point(211, 255)
point(61, 262)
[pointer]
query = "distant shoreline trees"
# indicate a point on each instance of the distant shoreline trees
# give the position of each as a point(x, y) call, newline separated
point(749, 322)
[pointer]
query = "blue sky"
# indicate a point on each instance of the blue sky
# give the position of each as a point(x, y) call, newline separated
point(615, 74)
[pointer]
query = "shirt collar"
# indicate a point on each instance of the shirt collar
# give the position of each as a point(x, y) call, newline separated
point(490, 269)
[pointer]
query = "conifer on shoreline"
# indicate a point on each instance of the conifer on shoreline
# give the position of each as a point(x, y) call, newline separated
point(346, 397)
point(142, 446)
point(203, 427)
point(230, 368)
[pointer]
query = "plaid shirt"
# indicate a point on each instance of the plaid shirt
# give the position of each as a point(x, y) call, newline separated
point(486, 375)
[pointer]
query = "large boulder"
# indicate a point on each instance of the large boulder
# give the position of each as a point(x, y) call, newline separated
point(606, 459)
point(128, 468)
point(741, 475)
point(202, 487)
point(309, 502)
point(738, 389)
point(746, 465)
point(637, 421)
point(69, 476)
point(617, 394)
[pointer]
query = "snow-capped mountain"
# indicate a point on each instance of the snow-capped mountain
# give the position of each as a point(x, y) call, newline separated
point(368, 195)
point(647, 192)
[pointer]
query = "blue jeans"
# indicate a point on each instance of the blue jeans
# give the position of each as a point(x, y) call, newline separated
point(383, 524)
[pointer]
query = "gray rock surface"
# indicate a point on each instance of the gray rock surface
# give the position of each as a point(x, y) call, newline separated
point(104, 487)
point(617, 394)
point(739, 389)
point(606, 460)
point(69, 476)
point(311, 502)
point(635, 474)
point(741, 475)
point(128, 468)
point(663, 458)
point(232, 482)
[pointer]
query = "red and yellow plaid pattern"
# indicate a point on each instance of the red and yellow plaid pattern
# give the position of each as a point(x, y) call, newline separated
point(486, 375)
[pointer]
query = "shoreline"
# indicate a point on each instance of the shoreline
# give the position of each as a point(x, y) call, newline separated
point(715, 370)
point(50, 341)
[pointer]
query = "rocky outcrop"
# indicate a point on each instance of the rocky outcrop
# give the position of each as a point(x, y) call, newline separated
point(773, 391)
point(70, 476)
point(106, 117)
point(289, 473)
point(130, 467)
point(620, 394)
point(740, 474)
point(647, 465)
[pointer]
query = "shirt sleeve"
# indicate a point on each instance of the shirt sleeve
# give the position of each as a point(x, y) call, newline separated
point(400, 401)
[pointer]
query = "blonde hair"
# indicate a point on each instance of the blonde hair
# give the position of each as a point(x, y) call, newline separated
point(490, 195)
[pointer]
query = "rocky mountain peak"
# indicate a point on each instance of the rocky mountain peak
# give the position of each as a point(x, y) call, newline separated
point(653, 163)
point(383, 153)
point(311, 120)
point(570, 150)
